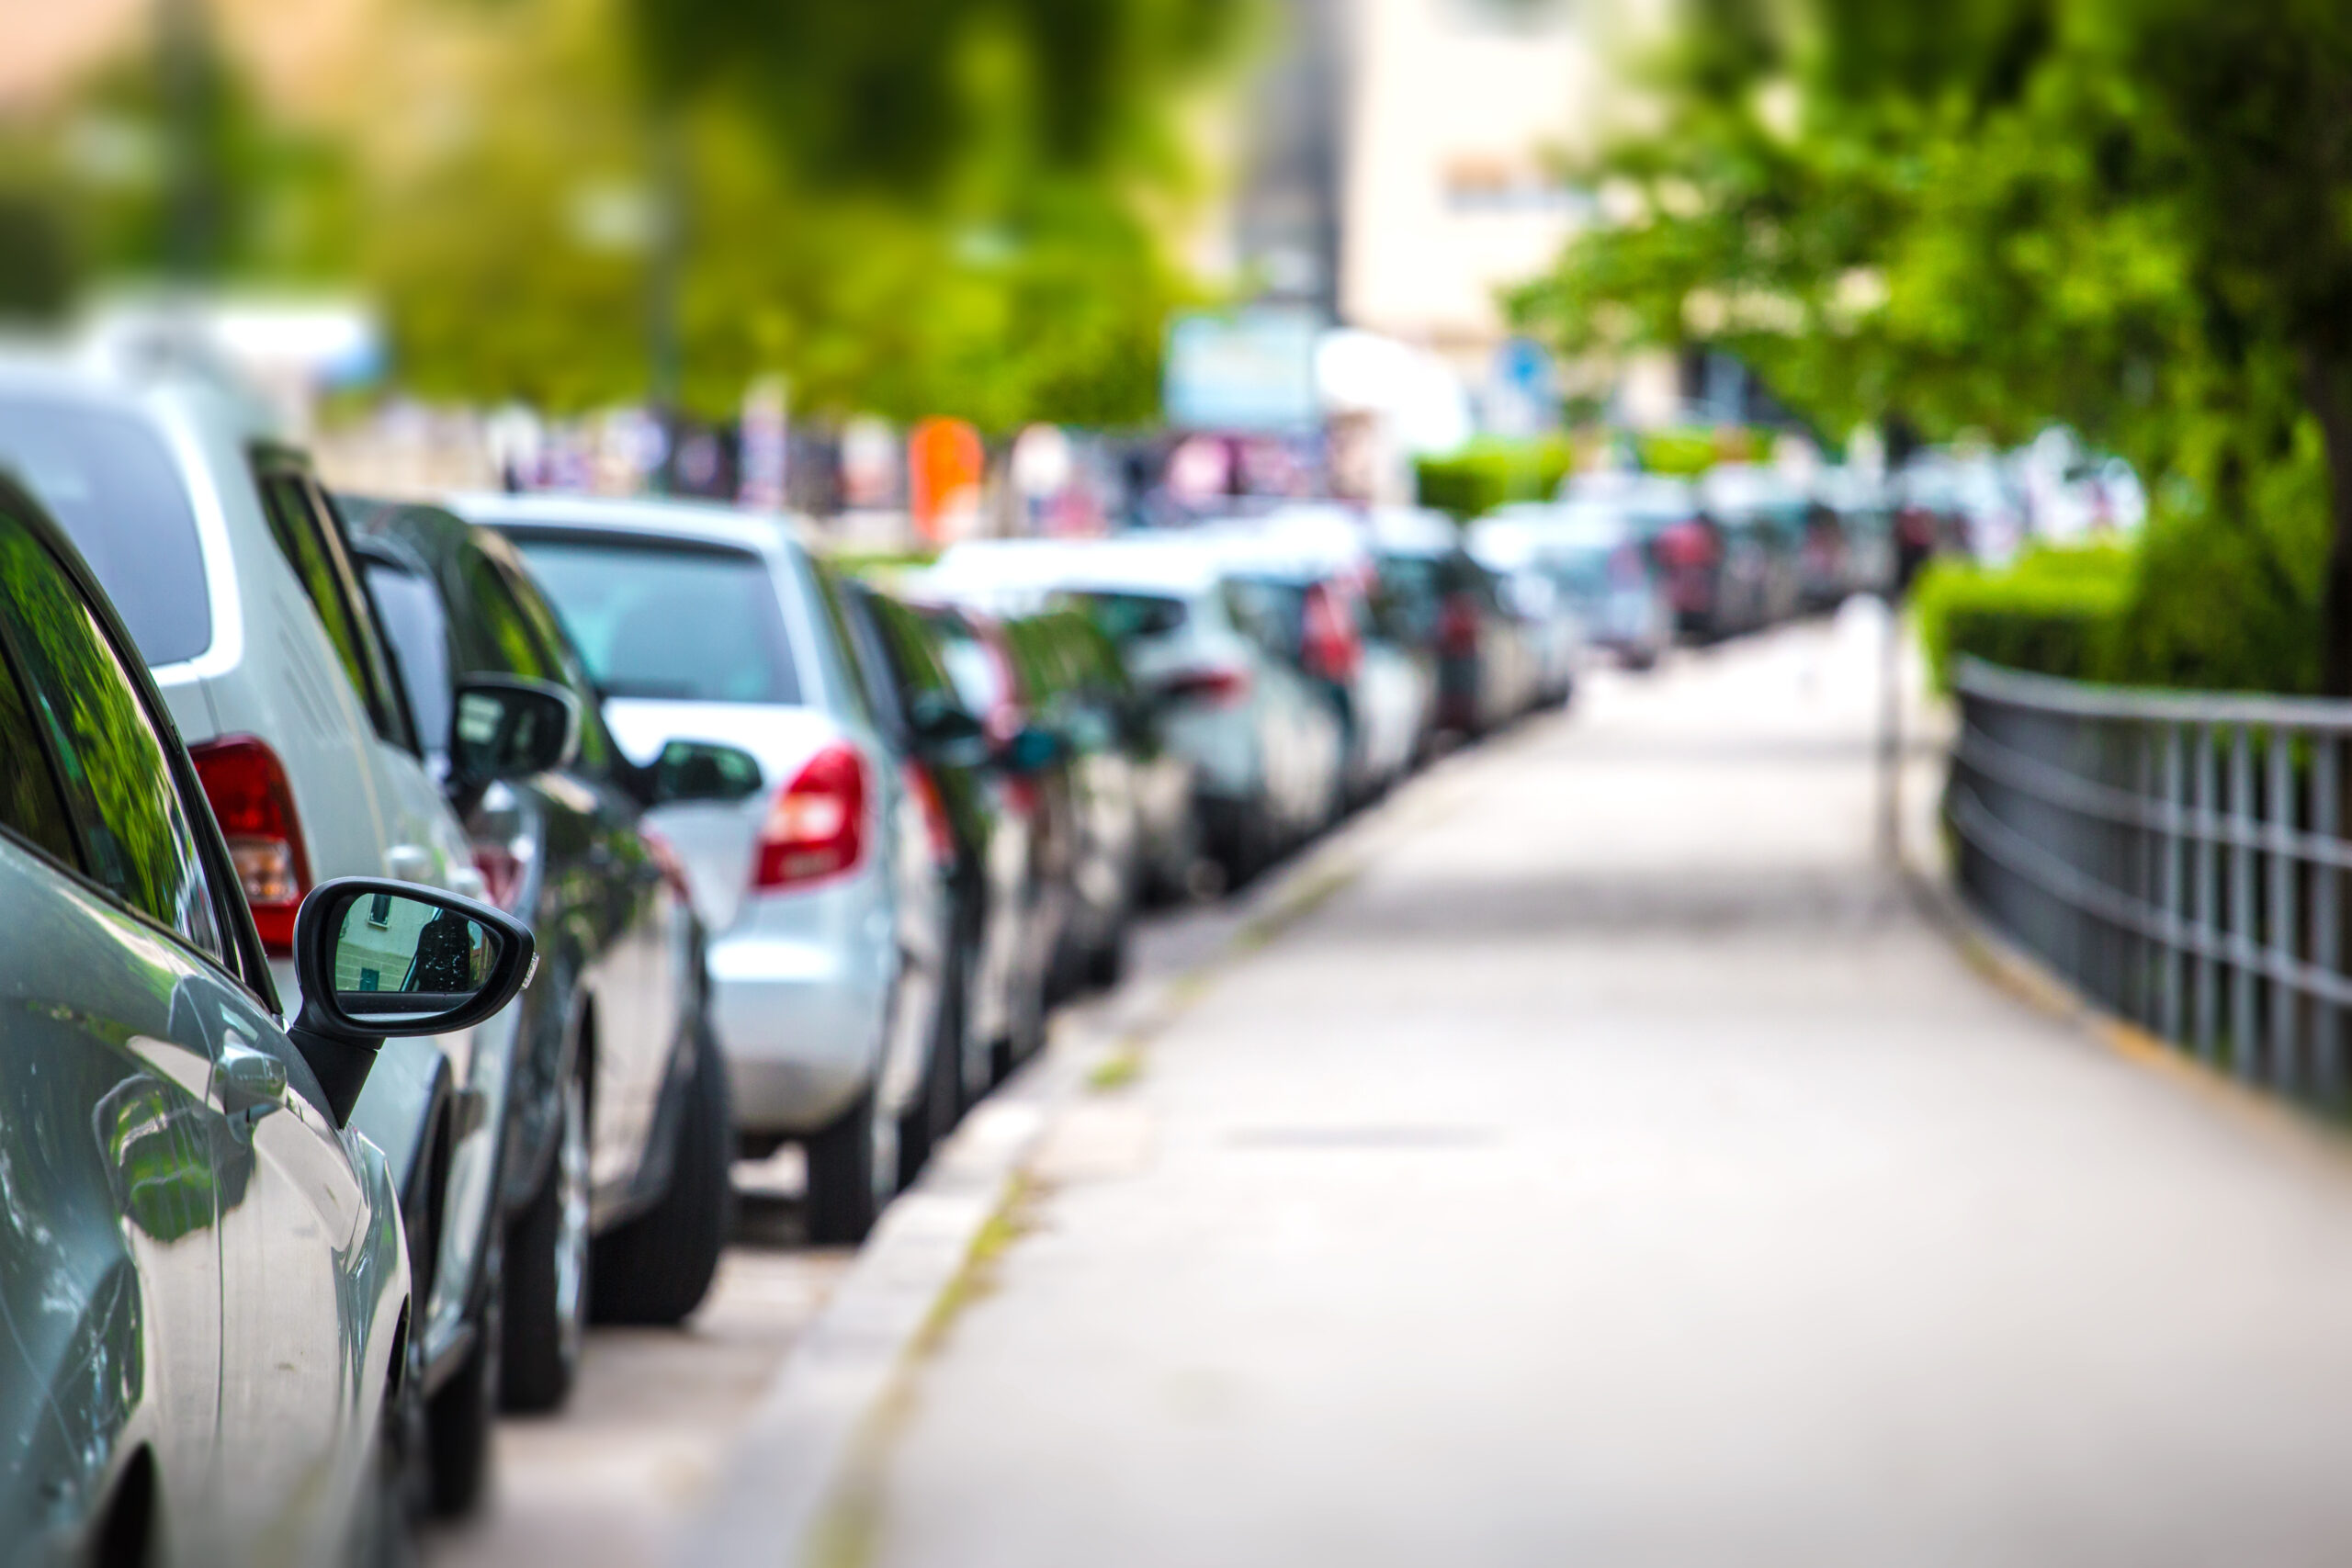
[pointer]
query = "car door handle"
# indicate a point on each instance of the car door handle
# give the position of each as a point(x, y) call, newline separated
point(253, 1083)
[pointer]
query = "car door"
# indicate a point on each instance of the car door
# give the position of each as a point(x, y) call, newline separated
point(642, 973)
point(240, 1203)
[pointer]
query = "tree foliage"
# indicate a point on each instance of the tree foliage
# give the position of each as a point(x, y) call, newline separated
point(2134, 216)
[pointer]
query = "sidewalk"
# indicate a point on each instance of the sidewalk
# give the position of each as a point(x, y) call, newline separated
point(1620, 1171)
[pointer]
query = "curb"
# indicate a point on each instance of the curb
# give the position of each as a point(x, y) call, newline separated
point(822, 1411)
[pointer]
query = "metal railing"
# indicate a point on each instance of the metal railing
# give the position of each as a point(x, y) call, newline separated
point(2179, 857)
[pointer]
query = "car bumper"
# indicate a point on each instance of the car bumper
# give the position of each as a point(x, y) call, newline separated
point(801, 1032)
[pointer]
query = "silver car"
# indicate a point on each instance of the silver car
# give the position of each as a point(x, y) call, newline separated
point(824, 893)
point(206, 1282)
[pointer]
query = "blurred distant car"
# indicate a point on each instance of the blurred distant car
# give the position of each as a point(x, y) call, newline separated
point(1964, 504)
point(617, 1144)
point(1594, 554)
point(1552, 620)
point(1075, 690)
point(208, 1287)
point(1313, 572)
point(1489, 667)
point(1266, 753)
point(1859, 507)
point(823, 892)
point(1762, 517)
point(954, 700)
point(234, 573)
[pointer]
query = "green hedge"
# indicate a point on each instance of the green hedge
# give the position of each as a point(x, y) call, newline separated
point(1489, 473)
point(2053, 611)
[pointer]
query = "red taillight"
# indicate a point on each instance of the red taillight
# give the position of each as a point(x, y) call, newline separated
point(1457, 626)
point(246, 784)
point(935, 815)
point(1330, 641)
point(1218, 687)
point(816, 828)
point(1686, 545)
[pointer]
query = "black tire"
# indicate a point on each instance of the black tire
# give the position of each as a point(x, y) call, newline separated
point(461, 1414)
point(658, 1268)
point(849, 1172)
point(1107, 965)
point(547, 1273)
point(383, 1526)
point(932, 1115)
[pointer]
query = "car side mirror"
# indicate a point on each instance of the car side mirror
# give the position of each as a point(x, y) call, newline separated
point(702, 771)
point(378, 959)
point(507, 727)
point(1032, 750)
point(938, 720)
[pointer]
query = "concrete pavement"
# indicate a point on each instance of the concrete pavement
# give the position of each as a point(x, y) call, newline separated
point(1621, 1170)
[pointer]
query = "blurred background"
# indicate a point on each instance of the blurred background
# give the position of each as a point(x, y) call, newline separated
point(931, 268)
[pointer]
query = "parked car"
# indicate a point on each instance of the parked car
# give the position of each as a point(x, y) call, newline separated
point(1761, 515)
point(1551, 621)
point(209, 1293)
point(1857, 504)
point(1030, 834)
point(1488, 669)
point(233, 573)
point(822, 891)
point(1266, 752)
point(1319, 574)
point(1593, 553)
point(617, 1141)
point(997, 838)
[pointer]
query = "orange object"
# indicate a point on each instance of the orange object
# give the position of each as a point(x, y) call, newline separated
point(946, 462)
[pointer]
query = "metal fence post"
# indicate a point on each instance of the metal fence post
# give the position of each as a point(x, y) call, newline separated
point(2286, 1063)
point(2168, 886)
point(2208, 876)
point(2243, 1045)
point(2327, 1046)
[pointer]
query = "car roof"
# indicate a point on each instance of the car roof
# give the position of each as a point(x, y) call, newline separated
point(1174, 563)
point(160, 388)
point(703, 521)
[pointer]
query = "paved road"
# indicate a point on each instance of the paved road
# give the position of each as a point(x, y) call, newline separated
point(1620, 1171)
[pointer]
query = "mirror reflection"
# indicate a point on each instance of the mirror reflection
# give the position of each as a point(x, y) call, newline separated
point(403, 956)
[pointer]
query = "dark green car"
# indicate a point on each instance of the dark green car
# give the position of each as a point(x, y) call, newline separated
point(201, 1265)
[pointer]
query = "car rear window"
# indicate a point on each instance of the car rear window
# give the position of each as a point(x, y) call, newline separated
point(108, 481)
point(668, 619)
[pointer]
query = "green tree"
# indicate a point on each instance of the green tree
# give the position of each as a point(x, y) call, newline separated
point(2132, 215)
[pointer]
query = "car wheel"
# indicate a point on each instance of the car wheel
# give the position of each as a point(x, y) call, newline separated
point(1107, 965)
point(547, 1278)
point(384, 1524)
point(932, 1115)
point(462, 1413)
point(853, 1167)
point(658, 1268)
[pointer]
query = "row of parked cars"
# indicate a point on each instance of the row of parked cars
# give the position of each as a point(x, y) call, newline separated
point(415, 909)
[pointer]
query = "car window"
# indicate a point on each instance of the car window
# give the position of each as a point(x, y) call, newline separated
point(311, 538)
point(523, 600)
point(668, 619)
point(829, 592)
point(970, 663)
point(31, 806)
point(500, 619)
point(130, 824)
point(110, 484)
point(874, 668)
point(418, 630)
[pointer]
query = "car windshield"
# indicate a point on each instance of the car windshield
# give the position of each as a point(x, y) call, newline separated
point(668, 619)
point(110, 484)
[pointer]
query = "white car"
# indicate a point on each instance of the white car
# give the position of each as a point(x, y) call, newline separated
point(1267, 753)
point(219, 551)
point(824, 893)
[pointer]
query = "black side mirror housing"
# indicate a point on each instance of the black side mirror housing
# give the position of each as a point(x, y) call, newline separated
point(452, 963)
point(701, 770)
point(507, 727)
point(938, 720)
point(1032, 750)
